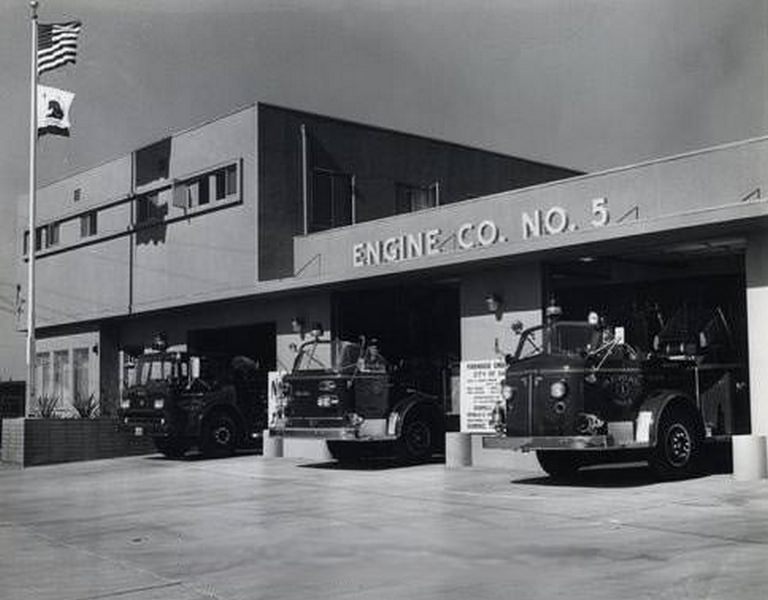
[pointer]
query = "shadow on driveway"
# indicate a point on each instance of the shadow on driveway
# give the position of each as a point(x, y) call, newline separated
point(717, 460)
point(371, 464)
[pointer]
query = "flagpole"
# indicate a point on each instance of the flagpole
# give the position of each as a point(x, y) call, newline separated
point(32, 237)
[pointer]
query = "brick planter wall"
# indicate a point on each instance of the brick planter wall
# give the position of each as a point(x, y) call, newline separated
point(28, 442)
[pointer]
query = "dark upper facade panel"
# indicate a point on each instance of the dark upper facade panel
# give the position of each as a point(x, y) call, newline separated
point(318, 173)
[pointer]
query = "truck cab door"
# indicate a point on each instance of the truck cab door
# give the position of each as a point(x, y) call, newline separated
point(372, 394)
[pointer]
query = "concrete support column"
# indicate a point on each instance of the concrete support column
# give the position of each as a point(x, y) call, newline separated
point(749, 458)
point(458, 450)
point(273, 445)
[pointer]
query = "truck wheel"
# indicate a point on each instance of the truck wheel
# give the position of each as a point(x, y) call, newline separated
point(678, 445)
point(559, 464)
point(171, 448)
point(417, 438)
point(219, 436)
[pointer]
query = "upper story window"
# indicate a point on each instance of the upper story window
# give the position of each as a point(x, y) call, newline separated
point(40, 236)
point(331, 202)
point(411, 198)
point(88, 224)
point(53, 234)
point(150, 208)
point(152, 163)
point(46, 236)
point(191, 194)
point(226, 182)
point(220, 184)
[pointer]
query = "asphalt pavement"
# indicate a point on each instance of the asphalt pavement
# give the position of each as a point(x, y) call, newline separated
point(146, 528)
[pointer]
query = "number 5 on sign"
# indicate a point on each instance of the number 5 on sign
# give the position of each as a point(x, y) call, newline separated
point(600, 212)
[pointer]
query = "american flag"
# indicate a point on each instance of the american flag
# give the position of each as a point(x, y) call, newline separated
point(56, 44)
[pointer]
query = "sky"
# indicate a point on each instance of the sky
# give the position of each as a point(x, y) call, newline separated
point(585, 84)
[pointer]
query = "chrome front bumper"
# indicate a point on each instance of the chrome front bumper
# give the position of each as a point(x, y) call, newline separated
point(573, 442)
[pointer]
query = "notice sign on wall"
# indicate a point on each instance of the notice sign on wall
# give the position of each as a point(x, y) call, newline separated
point(480, 390)
point(275, 397)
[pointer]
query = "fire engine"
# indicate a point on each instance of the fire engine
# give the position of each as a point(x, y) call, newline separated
point(577, 393)
point(348, 394)
point(217, 404)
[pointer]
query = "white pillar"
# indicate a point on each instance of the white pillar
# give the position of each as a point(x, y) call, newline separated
point(757, 321)
point(749, 451)
point(458, 450)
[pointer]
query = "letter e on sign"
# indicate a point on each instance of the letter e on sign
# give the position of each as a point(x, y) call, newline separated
point(433, 239)
point(358, 255)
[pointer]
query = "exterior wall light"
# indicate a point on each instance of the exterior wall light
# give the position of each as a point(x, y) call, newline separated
point(297, 325)
point(493, 302)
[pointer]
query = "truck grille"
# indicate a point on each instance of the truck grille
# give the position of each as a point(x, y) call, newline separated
point(533, 412)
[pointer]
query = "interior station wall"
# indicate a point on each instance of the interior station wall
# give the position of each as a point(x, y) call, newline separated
point(488, 335)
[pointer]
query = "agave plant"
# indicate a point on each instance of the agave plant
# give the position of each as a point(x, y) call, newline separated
point(87, 407)
point(46, 406)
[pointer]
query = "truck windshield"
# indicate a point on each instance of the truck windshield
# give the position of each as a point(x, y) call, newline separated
point(314, 355)
point(155, 369)
point(561, 338)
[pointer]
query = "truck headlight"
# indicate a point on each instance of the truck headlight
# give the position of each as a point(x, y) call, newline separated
point(159, 403)
point(327, 400)
point(125, 403)
point(558, 389)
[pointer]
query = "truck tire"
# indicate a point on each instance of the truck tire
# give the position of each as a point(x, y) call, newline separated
point(417, 437)
point(559, 464)
point(171, 448)
point(219, 435)
point(679, 444)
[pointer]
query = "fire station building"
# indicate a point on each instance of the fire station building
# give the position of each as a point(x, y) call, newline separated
point(243, 234)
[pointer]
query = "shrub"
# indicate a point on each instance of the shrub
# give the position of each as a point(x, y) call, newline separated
point(46, 406)
point(87, 407)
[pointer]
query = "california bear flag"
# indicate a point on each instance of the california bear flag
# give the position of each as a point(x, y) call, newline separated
point(53, 110)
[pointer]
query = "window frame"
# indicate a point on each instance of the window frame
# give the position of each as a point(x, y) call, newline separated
point(219, 185)
point(313, 225)
point(89, 224)
point(430, 190)
point(53, 234)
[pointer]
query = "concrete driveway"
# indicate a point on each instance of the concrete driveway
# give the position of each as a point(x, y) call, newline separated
point(146, 528)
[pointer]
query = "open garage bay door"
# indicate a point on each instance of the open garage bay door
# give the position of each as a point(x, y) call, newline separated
point(417, 325)
point(256, 341)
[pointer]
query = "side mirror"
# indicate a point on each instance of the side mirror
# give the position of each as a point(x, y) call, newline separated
point(703, 341)
point(194, 367)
